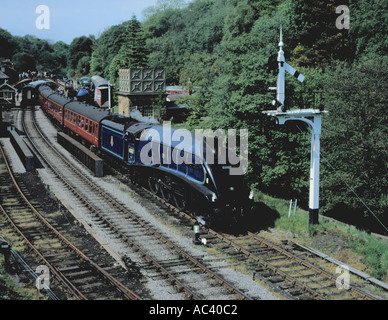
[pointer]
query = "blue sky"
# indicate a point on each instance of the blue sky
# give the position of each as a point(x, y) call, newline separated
point(68, 18)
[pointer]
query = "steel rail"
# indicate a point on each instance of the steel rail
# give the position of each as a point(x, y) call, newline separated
point(27, 268)
point(144, 225)
point(307, 264)
point(99, 214)
point(129, 293)
point(265, 263)
point(54, 271)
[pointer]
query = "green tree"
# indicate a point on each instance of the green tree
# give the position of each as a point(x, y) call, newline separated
point(79, 48)
point(355, 133)
point(47, 57)
point(83, 65)
point(7, 44)
point(278, 155)
point(59, 58)
point(315, 37)
point(369, 26)
point(133, 51)
point(24, 62)
point(105, 48)
point(163, 5)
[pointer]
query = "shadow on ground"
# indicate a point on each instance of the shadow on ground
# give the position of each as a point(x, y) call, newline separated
point(261, 218)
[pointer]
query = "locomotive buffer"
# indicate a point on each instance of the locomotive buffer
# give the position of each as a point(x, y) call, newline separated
point(313, 117)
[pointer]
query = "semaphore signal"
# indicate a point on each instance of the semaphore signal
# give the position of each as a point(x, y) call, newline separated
point(310, 116)
point(284, 66)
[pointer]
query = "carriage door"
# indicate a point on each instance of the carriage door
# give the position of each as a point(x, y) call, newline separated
point(131, 148)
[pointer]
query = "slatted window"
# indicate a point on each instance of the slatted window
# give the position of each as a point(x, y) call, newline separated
point(148, 112)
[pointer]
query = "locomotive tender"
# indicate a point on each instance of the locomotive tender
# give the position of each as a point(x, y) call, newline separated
point(175, 170)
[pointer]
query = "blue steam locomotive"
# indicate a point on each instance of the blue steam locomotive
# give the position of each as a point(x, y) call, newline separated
point(169, 162)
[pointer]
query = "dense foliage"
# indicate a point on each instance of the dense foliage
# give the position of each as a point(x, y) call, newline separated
point(228, 49)
point(29, 53)
point(78, 56)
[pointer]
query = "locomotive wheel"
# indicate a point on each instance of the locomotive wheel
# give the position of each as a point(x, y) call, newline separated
point(180, 201)
point(165, 189)
point(154, 185)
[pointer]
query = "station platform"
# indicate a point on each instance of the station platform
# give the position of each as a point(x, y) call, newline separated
point(83, 154)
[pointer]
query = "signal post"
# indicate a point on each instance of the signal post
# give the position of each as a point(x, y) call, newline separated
point(312, 117)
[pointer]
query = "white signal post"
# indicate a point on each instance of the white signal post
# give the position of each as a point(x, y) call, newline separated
point(284, 66)
point(312, 117)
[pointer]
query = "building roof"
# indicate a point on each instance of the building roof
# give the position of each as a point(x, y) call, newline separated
point(3, 75)
point(99, 81)
point(7, 85)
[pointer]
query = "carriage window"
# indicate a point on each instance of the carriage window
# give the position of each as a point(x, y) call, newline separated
point(86, 125)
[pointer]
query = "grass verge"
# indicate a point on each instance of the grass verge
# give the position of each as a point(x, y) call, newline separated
point(354, 247)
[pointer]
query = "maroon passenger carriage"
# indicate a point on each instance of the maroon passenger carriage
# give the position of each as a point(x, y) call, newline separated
point(52, 103)
point(84, 120)
point(206, 189)
point(77, 117)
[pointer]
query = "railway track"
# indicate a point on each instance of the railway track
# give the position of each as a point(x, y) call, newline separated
point(191, 278)
point(293, 272)
point(81, 277)
point(289, 271)
point(283, 268)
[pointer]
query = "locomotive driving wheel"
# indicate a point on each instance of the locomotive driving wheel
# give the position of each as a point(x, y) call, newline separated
point(180, 201)
point(179, 198)
point(153, 184)
point(165, 188)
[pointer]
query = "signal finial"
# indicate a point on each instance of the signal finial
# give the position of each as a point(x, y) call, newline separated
point(281, 44)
